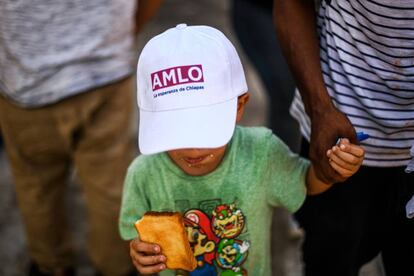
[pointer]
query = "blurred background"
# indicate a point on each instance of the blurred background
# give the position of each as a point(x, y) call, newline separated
point(216, 13)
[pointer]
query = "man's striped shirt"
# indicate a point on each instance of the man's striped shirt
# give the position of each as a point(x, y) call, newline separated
point(367, 59)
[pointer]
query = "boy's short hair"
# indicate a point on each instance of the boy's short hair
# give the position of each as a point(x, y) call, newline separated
point(188, 79)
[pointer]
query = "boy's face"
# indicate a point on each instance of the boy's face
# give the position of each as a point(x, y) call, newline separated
point(197, 162)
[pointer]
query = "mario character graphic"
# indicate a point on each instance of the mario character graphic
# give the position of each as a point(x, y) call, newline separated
point(232, 253)
point(202, 240)
point(227, 221)
point(214, 240)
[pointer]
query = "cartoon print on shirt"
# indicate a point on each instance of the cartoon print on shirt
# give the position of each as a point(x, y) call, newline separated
point(213, 239)
point(232, 253)
point(202, 241)
point(227, 221)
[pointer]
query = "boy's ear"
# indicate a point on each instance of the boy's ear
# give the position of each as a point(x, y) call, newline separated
point(241, 104)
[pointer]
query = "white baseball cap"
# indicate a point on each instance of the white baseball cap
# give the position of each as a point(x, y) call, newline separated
point(188, 79)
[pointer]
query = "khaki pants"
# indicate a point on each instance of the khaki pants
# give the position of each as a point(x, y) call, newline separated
point(90, 131)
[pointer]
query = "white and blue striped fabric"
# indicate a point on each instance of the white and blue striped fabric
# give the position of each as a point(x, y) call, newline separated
point(367, 59)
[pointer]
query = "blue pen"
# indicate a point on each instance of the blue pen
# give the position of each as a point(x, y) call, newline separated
point(361, 136)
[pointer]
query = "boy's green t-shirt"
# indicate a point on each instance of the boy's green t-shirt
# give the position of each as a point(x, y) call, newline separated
point(228, 211)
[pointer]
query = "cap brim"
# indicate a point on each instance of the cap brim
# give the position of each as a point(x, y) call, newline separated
point(201, 127)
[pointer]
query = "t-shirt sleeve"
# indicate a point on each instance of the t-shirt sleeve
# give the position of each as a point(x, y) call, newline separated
point(287, 176)
point(134, 202)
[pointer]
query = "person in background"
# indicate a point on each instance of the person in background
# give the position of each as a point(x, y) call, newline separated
point(353, 64)
point(253, 25)
point(66, 101)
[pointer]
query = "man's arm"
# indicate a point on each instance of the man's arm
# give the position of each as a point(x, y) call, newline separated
point(296, 28)
point(145, 11)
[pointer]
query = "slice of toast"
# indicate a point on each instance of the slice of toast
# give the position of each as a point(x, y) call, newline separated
point(167, 230)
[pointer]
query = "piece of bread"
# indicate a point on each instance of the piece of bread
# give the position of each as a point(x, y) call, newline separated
point(167, 230)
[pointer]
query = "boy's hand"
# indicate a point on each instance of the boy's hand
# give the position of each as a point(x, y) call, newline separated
point(146, 257)
point(345, 158)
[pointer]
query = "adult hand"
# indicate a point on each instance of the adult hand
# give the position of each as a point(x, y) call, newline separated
point(328, 125)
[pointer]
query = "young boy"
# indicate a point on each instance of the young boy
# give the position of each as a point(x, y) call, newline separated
point(223, 178)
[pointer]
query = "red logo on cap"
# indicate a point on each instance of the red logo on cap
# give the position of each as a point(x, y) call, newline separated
point(177, 75)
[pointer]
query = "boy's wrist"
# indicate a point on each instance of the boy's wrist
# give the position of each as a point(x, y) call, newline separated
point(314, 184)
